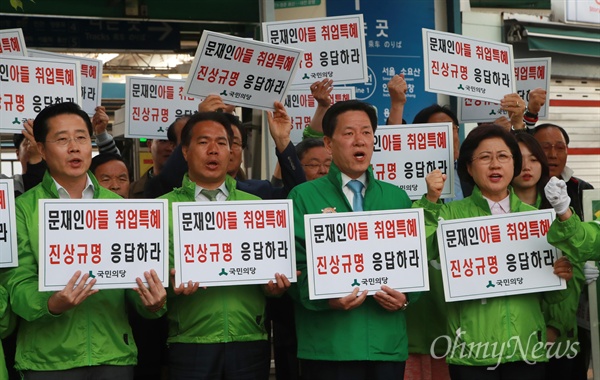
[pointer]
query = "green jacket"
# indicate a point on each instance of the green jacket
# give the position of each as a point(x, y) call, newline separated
point(7, 324)
point(218, 314)
point(96, 332)
point(368, 332)
point(579, 240)
point(486, 332)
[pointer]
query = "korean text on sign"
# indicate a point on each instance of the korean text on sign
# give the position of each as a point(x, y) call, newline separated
point(28, 85)
point(301, 105)
point(467, 67)
point(243, 72)
point(12, 42)
point(91, 77)
point(8, 225)
point(334, 47)
point(498, 255)
point(365, 250)
point(152, 104)
point(530, 73)
point(115, 241)
point(233, 243)
point(404, 155)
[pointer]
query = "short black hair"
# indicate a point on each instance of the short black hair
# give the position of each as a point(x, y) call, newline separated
point(423, 116)
point(330, 118)
point(549, 125)
point(18, 139)
point(218, 117)
point(171, 129)
point(475, 137)
point(103, 158)
point(306, 145)
point(40, 124)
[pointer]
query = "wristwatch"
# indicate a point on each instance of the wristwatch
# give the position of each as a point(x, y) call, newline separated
point(405, 303)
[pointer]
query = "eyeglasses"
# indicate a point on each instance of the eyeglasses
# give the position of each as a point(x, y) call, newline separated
point(317, 166)
point(486, 158)
point(63, 141)
point(559, 147)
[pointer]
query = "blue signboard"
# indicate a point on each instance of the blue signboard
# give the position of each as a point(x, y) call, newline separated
point(394, 46)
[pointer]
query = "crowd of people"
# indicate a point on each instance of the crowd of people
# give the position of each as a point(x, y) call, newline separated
point(224, 332)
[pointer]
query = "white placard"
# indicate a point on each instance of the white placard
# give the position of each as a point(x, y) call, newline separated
point(31, 84)
point(233, 243)
point(366, 250)
point(498, 255)
point(114, 240)
point(405, 154)
point(12, 42)
point(243, 72)
point(152, 104)
point(301, 105)
point(530, 73)
point(334, 47)
point(91, 78)
point(467, 67)
point(8, 225)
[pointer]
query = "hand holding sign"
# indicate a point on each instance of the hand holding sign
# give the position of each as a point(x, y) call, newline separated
point(72, 295)
point(390, 299)
point(277, 287)
point(349, 302)
point(182, 288)
point(154, 296)
point(214, 103)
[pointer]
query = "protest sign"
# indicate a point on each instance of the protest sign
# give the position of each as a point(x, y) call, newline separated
point(91, 78)
point(365, 250)
point(405, 154)
point(115, 241)
point(31, 84)
point(152, 104)
point(8, 225)
point(333, 47)
point(301, 105)
point(12, 42)
point(498, 255)
point(233, 243)
point(243, 72)
point(530, 73)
point(467, 67)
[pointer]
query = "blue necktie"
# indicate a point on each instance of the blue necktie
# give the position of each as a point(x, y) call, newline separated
point(356, 187)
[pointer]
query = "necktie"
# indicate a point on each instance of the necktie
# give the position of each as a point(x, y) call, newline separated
point(210, 194)
point(356, 187)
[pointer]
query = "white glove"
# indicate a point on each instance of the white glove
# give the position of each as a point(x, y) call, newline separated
point(556, 192)
point(591, 272)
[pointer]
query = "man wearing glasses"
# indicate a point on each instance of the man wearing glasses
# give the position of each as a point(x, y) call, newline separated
point(314, 157)
point(78, 332)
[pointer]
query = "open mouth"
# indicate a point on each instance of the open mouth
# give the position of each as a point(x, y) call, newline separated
point(212, 164)
point(495, 177)
point(359, 156)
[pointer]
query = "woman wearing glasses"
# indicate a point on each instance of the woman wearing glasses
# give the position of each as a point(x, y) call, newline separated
point(489, 159)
